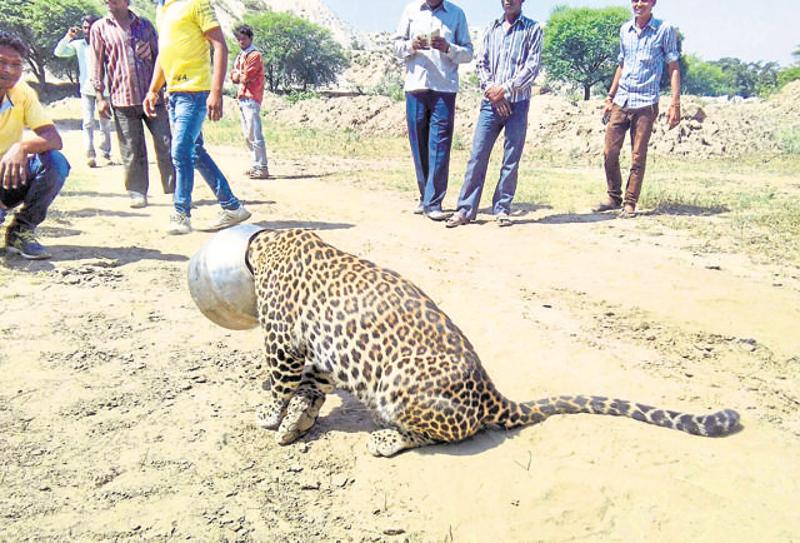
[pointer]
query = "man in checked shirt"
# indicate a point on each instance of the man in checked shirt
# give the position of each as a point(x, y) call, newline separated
point(646, 44)
point(507, 66)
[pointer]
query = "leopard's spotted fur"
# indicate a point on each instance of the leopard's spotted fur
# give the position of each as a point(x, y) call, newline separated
point(331, 320)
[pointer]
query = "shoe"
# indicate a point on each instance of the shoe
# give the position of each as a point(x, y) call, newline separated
point(437, 215)
point(138, 200)
point(259, 173)
point(248, 171)
point(91, 162)
point(628, 212)
point(179, 224)
point(228, 218)
point(109, 161)
point(419, 210)
point(456, 219)
point(608, 205)
point(24, 243)
point(502, 219)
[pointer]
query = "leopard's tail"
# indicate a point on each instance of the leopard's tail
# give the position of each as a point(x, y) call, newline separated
point(512, 414)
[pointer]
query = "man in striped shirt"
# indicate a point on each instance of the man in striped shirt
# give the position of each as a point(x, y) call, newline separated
point(646, 44)
point(125, 47)
point(507, 66)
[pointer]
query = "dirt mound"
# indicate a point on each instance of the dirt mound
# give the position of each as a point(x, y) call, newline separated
point(709, 127)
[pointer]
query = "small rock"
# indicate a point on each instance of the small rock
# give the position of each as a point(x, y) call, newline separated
point(294, 469)
point(310, 485)
point(394, 531)
point(340, 481)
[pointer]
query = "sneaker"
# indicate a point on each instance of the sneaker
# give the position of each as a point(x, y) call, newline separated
point(419, 210)
point(138, 200)
point(259, 173)
point(608, 205)
point(228, 218)
point(24, 243)
point(457, 219)
point(91, 162)
point(109, 161)
point(437, 215)
point(502, 219)
point(179, 224)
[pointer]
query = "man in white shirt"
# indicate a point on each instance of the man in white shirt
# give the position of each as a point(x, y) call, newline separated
point(433, 39)
point(71, 46)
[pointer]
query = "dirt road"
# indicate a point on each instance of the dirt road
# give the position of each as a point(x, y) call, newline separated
point(126, 415)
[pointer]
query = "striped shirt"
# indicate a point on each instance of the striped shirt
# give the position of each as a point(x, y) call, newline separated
point(510, 57)
point(128, 57)
point(642, 56)
point(430, 69)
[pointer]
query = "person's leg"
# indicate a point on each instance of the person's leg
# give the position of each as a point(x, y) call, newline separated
point(132, 148)
point(105, 130)
point(418, 120)
point(642, 121)
point(87, 128)
point(259, 146)
point(46, 174)
point(162, 142)
point(516, 129)
point(487, 129)
point(213, 176)
point(442, 118)
point(186, 113)
point(618, 124)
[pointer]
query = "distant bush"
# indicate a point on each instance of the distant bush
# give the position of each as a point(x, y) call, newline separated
point(298, 96)
point(391, 85)
point(789, 140)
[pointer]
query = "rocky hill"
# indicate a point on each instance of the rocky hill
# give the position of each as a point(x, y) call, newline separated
point(231, 11)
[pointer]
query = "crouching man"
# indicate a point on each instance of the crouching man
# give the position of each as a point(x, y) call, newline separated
point(32, 171)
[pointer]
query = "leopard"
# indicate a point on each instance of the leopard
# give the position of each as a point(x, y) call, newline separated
point(334, 321)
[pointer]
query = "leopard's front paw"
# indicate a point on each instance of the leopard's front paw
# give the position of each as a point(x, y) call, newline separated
point(301, 414)
point(269, 415)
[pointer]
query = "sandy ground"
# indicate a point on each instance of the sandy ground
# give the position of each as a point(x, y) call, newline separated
point(126, 415)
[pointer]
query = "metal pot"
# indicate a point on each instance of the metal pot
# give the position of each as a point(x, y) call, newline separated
point(220, 281)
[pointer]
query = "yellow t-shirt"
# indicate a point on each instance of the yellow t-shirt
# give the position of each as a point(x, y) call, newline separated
point(184, 53)
point(25, 112)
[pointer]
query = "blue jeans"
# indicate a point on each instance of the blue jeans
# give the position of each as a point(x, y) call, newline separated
point(488, 128)
point(187, 111)
point(430, 117)
point(250, 116)
point(46, 175)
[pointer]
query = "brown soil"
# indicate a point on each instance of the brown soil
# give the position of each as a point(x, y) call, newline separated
point(126, 415)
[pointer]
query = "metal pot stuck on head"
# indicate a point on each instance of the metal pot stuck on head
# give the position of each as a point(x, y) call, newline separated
point(220, 281)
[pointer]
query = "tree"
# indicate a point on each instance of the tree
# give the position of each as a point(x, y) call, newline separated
point(750, 79)
point(41, 23)
point(581, 45)
point(706, 78)
point(297, 54)
point(796, 55)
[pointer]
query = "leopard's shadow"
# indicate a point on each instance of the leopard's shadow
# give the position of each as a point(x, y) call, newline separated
point(351, 416)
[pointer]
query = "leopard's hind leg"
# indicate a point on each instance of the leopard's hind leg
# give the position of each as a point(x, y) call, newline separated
point(390, 441)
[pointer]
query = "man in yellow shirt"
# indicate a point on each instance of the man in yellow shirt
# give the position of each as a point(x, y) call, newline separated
point(32, 171)
point(188, 31)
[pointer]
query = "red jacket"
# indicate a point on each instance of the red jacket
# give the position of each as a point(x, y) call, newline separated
point(251, 75)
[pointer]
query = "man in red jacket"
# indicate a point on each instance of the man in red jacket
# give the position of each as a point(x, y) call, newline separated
point(248, 75)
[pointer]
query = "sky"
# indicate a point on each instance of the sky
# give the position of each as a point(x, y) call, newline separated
point(752, 30)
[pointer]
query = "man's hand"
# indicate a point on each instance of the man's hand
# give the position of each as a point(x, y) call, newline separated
point(503, 108)
point(103, 107)
point(149, 104)
point(214, 104)
point(440, 44)
point(14, 168)
point(495, 94)
point(608, 105)
point(674, 115)
point(420, 43)
point(72, 33)
point(235, 76)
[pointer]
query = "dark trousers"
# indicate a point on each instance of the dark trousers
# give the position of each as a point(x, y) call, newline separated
point(45, 177)
point(430, 117)
point(639, 122)
point(130, 123)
